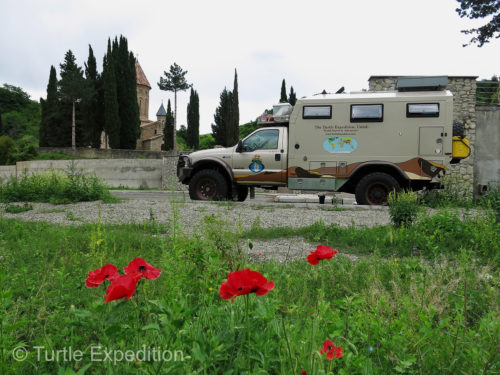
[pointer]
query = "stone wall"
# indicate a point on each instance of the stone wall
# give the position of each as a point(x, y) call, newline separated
point(464, 101)
point(487, 166)
point(138, 173)
point(92, 153)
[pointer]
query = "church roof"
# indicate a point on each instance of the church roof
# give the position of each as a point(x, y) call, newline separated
point(161, 111)
point(141, 77)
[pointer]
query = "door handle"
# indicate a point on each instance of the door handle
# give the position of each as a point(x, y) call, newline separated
point(277, 157)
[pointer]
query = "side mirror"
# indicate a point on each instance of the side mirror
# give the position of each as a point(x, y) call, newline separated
point(239, 146)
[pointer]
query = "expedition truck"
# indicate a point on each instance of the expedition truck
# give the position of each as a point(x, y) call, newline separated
point(367, 143)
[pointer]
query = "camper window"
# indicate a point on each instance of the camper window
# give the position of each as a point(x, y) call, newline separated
point(422, 110)
point(367, 113)
point(317, 112)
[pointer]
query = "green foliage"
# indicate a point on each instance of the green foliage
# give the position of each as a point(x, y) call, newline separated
point(92, 108)
point(50, 119)
point(7, 150)
point(390, 315)
point(222, 119)
point(292, 98)
point(193, 121)
point(207, 141)
point(55, 187)
point(175, 80)
point(451, 195)
point(168, 132)
point(475, 9)
point(126, 91)
point(403, 208)
point(431, 236)
point(248, 128)
point(234, 128)
point(15, 209)
point(487, 91)
point(112, 122)
point(19, 115)
point(283, 98)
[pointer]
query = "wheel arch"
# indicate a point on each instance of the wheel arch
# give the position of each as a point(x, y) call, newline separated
point(215, 164)
point(370, 167)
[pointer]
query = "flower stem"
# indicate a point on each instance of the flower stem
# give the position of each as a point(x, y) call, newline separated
point(287, 345)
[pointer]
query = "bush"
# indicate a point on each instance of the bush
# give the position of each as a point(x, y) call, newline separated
point(7, 150)
point(55, 187)
point(403, 208)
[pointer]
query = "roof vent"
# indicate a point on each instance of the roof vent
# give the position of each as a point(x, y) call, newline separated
point(422, 83)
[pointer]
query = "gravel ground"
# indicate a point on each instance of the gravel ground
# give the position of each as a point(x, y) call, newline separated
point(190, 213)
point(236, 214)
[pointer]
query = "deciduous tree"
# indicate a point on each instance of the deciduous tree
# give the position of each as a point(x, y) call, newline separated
point(475, 9)
point(175, 80)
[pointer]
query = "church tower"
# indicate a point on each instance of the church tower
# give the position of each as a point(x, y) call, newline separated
point(143, 88)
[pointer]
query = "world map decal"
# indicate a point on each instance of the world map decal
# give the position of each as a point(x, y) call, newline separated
point(340, 145)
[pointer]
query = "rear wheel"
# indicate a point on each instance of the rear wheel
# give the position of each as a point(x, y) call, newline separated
point(208, 185)
point(374, 188)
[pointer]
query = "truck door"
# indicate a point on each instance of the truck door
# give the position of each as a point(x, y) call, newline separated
point(431, 141)
point(261, 158)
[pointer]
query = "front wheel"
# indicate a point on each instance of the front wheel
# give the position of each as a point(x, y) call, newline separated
point(241, 193)
point(208, 185)
point(374, 188)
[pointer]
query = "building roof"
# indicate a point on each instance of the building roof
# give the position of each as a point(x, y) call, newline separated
point(141, 77)
point(161, 111)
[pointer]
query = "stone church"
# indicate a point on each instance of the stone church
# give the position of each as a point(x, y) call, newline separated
point(151, 137)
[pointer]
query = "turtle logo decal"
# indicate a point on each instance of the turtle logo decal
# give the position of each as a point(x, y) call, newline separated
point(256, 165)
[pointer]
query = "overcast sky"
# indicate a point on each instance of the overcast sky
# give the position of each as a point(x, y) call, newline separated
point(313, 44)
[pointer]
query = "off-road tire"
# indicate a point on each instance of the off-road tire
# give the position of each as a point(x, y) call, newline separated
point(458, 129)
point(374, 188)
point(240, 193)
point(208, 185)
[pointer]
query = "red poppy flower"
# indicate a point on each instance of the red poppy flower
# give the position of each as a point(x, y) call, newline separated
point(330, 350)
point(338, 352)
point(303, 372)
point(244, 282)
point(139, 265)
point(97, 276)
point(321, 252)
point(123, 287)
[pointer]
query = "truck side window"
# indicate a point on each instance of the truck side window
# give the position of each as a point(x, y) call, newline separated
point(422, 110)
point(317, 112)
point(266, 139)
point(367, 112)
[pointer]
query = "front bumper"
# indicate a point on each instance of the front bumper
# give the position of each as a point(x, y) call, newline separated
point(184, 169)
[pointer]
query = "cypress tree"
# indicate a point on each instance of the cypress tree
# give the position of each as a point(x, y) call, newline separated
point(1, 125)
point(50, 121)
point(193, 121)
point(222, 118)
point(111, 116)
point(292, 99)
point(91, 108)
point(235, 111)
point(283, 98)
point(168, 133)
point(126, 88)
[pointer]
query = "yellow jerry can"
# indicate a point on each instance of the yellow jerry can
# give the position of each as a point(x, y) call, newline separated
point(461, 148)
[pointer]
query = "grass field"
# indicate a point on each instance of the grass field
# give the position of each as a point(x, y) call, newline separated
point(424, 300)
